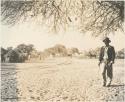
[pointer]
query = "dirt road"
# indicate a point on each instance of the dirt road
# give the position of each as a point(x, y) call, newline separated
point(60, 80)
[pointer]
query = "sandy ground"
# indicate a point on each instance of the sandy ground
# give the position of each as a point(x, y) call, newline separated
point(60, 80)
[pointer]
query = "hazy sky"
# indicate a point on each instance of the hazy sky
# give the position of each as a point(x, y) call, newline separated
point(41, 39)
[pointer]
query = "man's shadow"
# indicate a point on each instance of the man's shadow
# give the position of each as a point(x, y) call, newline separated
point(115, 85)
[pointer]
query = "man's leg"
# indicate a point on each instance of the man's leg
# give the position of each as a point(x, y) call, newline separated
point(109, 74)
point(104, 74)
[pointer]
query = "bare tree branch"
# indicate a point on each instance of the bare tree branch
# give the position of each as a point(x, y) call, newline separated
point(98, 17)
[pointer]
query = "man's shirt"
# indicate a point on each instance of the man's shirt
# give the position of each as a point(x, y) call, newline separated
point(105, 53)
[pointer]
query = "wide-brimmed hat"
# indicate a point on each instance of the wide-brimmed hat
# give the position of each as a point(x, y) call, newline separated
point(106, 39)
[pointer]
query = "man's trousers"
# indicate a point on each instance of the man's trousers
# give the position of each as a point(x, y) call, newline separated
point(107, 72)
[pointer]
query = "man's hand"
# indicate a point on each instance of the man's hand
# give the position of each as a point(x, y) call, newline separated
point(110, 63)
point(99, 64)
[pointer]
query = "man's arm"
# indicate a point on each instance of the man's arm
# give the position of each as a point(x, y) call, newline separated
point(113, 55)
point(100, 56)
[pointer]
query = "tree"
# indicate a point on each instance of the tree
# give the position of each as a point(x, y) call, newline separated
point(92, 53)
point(22, 47)
point(25, 48)
point(56, 50)
point(24, 51)
point(22, 56)
point(75, 50)
point(13, 56)
point(120, 54)
point(60, 49)
point(105, 17)
point(3, 52)
point(9, 48)
point(30, 48)
point(98, 17)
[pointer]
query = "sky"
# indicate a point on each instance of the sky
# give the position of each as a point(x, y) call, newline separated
point(29, 33)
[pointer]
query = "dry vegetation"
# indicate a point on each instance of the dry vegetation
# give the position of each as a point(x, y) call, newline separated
point(99, 17)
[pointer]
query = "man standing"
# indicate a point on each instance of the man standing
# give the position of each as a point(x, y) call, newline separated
point(106, 59)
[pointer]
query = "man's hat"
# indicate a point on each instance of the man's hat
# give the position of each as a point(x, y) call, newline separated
point(106, 39)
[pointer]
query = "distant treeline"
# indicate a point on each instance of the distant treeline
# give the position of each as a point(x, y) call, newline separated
point(23, 53)
point(26, 53)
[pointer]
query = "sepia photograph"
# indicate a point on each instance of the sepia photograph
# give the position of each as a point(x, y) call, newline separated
point(62, 51)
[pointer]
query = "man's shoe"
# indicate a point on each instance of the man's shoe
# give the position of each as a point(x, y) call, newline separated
point(104, 84)
point(108, 85)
